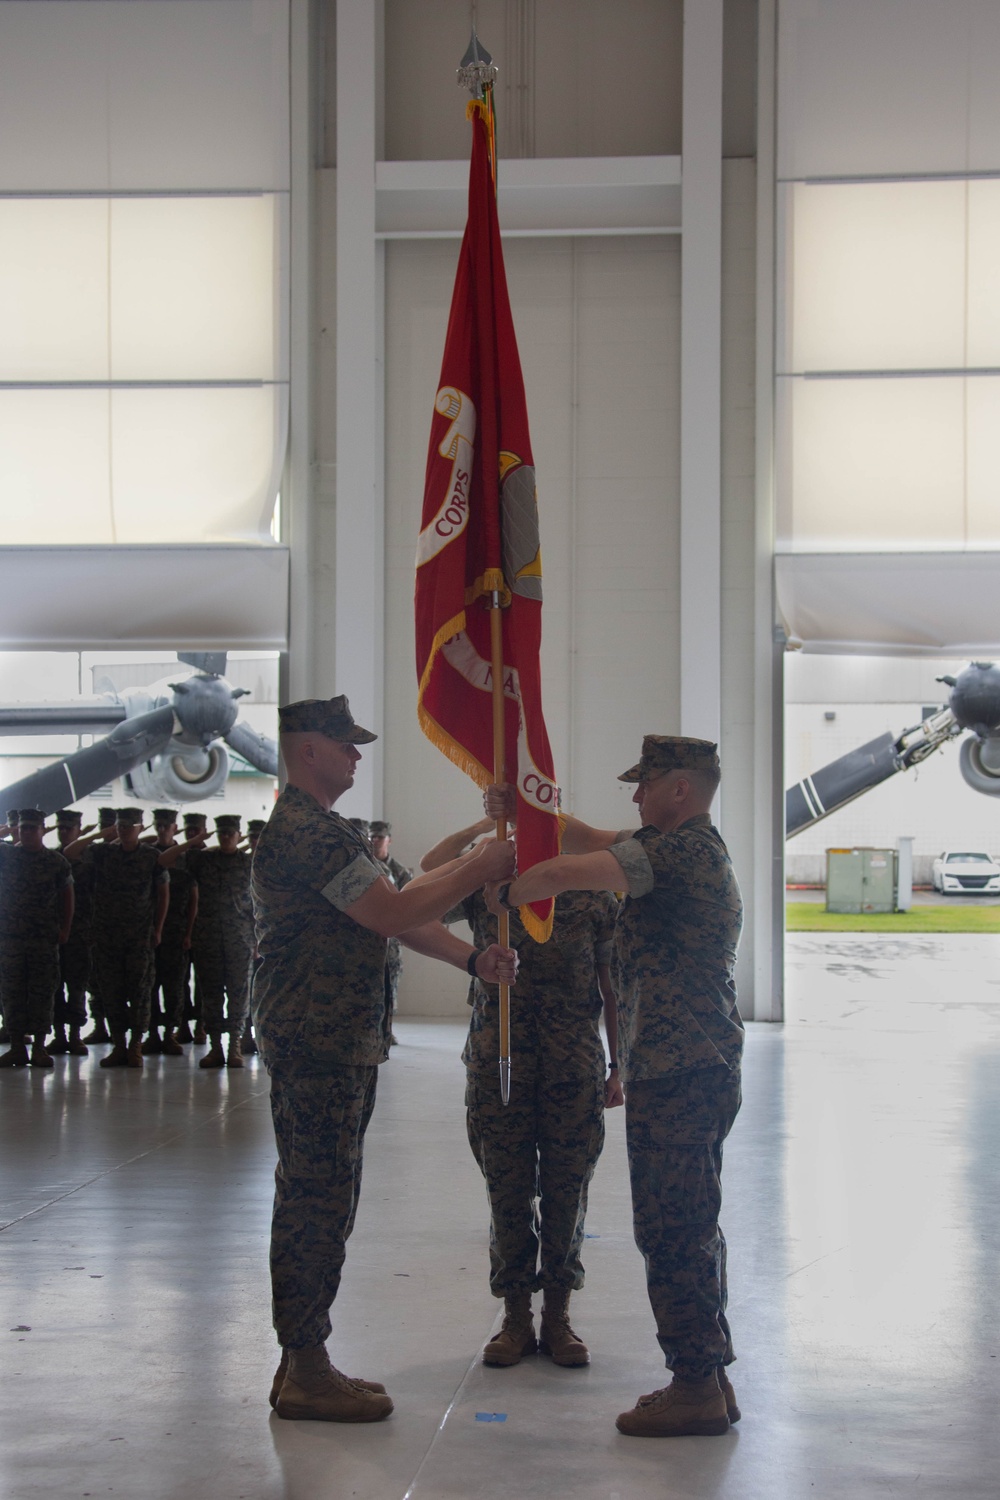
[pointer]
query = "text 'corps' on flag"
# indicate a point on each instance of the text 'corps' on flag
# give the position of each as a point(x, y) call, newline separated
point(479, 535)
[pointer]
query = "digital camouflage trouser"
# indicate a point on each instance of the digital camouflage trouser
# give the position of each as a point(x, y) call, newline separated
point(121, 981)
point(319, 1128)
point(71, 987)
point(675, 1127)
point(538, 1155)
point(170, 963)
point(223, 970)
point(29, 973)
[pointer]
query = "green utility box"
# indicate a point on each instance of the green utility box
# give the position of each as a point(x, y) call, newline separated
point(860, 880)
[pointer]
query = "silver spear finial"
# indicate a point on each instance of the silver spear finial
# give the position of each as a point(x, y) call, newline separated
point(476, 69)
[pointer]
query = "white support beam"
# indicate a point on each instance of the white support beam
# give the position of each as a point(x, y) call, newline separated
point(769, 772)
point(297, 667)
point(701, 372)
point(360, 572)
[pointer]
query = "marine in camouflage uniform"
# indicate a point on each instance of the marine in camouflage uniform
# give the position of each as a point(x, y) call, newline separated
point(538, 1153)
point(681, 1044)
point(319, 1010)
point(195, 833)
point(255, 827)
point(131, 897)
point(70, 1010)
point(171, 959)
point(223, 940)
point(108, 831)
point(380, 835)
point(36, 909)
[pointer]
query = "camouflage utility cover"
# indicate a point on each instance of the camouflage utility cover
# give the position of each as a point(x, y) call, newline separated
point(675, 951)
point(31, 882)
point(125, 882)
point(319, 999)
point(556, 1007)
point(223, 882)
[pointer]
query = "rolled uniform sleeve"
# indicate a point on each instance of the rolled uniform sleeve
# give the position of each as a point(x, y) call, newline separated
point(635, 864)
point(350, 884)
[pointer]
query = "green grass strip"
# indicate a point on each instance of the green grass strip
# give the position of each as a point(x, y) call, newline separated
point(808, 916)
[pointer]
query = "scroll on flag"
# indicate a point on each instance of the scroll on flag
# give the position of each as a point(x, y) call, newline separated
point(479, 536)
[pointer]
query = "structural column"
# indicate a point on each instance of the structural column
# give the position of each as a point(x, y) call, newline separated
point(359, 571)
point(701, 372)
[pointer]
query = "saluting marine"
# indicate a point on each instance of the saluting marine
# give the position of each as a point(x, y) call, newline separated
point(223, 940)
point(36, 910)
point(170, 961)
point(107, 830)
point(74, 955)
point(131, 897)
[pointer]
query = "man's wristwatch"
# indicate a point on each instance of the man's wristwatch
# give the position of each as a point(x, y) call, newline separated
point(503, 891)
point(471, 961)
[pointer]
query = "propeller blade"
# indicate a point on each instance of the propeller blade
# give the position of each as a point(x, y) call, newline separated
point(260, 750)
point(60, 718)
point(133, 741)
point(213, 663)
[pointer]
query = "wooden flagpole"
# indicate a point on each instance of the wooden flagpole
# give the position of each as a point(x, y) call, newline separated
point(500, 776)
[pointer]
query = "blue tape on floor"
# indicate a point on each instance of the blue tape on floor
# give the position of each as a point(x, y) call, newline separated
point(491, 1416)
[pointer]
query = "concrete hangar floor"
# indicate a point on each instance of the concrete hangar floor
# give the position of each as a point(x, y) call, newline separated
point(863, 1216)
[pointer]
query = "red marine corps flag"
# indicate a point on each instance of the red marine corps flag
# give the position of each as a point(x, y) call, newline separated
point(478, 544)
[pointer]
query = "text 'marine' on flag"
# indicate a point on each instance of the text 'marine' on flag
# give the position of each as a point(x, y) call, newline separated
point(479, 533)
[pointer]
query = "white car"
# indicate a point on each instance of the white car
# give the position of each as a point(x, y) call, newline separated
point(956, 871)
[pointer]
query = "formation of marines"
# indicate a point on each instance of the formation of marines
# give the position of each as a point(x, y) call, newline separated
point(127, 921)
point(310, 922)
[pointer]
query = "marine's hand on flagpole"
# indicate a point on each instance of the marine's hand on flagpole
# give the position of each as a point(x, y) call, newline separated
point(494, 860)
point(500, 801)
point(496, 965)
point(492, 898)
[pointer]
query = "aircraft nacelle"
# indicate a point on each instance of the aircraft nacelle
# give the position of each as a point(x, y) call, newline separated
point(975, 703)
point(181, 773)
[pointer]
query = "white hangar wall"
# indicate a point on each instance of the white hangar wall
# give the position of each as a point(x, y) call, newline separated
point(598, 325)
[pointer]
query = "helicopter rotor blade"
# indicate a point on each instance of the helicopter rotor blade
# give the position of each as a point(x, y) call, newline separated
point(59, 785)
point(259, 749)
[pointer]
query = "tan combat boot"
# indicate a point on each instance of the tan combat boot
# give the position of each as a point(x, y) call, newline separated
point(685, 1408)
point(133, 1058)
point(557, 1338)
point(214, 1057)
point(282, 1371)
point(77, 1048)
point(313, 1391)
point(732, 1410)
point(59, 1046)
point(234, 1056)
point(517, 1333)
point(171, 1047)
point(17, 1057)
point(118, 1056)
point(40, 1056)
